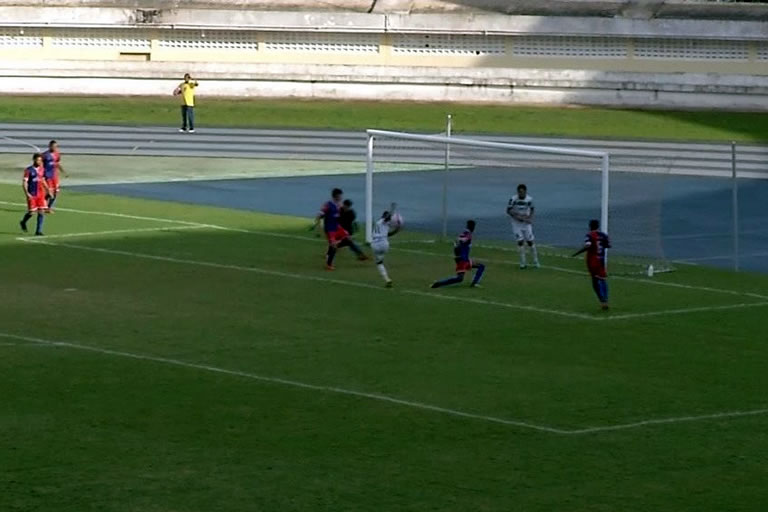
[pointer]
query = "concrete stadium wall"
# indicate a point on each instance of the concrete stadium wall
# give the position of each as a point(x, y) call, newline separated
point(685, 9)
point(530, 59)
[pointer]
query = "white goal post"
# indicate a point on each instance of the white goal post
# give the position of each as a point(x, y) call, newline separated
point(449, 141)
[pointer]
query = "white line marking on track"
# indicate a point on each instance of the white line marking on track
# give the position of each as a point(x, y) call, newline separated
point(291, 383)
point(19, 141)
point(385, 398)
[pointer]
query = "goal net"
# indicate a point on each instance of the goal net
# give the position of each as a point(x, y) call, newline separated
point(439, 182)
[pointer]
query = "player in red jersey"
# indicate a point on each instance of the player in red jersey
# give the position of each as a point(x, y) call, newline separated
point(36, 190)
point(336, 235)
point(52, 165)
point(596, 244)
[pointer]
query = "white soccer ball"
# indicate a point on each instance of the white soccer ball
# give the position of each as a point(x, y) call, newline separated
point(397, 220)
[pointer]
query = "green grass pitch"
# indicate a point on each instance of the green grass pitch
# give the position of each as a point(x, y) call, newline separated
point(176, 358)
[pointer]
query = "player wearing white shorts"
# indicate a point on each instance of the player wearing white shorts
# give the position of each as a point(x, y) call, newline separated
point(520, 209)
point(382, 230)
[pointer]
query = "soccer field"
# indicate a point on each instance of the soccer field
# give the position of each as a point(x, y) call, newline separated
point(162, 356)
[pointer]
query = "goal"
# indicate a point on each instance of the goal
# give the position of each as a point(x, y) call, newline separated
point(439, 181)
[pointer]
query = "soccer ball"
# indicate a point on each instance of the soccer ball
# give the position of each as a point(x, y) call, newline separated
point(397, 220)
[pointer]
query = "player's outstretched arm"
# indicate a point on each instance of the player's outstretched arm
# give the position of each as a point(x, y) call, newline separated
point(580, 251)
point(317, 220)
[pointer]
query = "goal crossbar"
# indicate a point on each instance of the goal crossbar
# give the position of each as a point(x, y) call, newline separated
point(460, 141)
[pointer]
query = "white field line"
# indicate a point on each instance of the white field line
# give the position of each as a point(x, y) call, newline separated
point(120, 232)
point(724, 257)
point(385, 398)
point(305, 277)
point(118, 215)
point(671, 420)
point(290, 383)
point(308, 238)
point(621, 278)
point(681, 311)
point(22, 345)
point(431, 295)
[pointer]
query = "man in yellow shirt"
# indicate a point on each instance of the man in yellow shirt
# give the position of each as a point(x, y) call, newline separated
point(186, 90)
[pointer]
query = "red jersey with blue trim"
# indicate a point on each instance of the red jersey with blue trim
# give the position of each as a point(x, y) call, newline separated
point(462, 246)
point(331, 213)
point(596, 243)
point(51, 161)
point(33, 177)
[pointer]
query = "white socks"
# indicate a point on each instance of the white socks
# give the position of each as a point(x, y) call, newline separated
point(383, 271)
point(535, 254)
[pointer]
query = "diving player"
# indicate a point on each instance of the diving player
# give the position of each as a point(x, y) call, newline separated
point(464, 264)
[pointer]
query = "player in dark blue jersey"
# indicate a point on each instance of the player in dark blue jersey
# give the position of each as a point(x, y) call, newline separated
point(35, 190)
point(337, 236)
point(596, 244)
point(461, 249)
point(52, 165)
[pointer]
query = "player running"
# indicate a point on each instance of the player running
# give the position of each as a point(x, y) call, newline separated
point(36, 190)
point(464, 263)
point(520, 209)
point(52, 165)
point(382, 230)
point(337, 236)
point(595, 244)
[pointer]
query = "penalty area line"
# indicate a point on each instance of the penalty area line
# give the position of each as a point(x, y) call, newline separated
point(670, 421)
point(117, 232)
point(386, 398)
point(305, 277)
point(418, 293)
point(289, 383)
point(670, 284)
